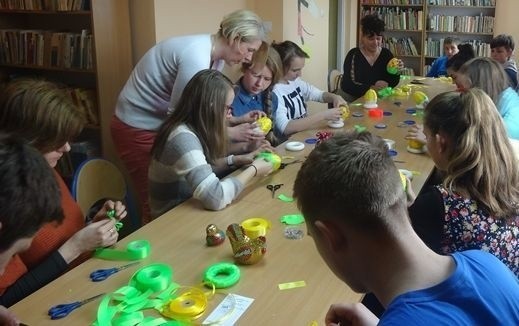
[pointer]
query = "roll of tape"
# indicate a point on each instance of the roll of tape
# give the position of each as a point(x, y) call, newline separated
point(255, 227)
point(155, 277)
point(135, 250)
point(222, 275)
point(188, 304)
point(294, 146)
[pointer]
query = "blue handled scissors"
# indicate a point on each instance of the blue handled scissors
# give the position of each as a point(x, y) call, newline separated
point(62, 310)
point(102, 274)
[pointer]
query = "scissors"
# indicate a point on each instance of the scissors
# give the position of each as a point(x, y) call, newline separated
point(62, 310)
point(274, 188)
point(102, 274)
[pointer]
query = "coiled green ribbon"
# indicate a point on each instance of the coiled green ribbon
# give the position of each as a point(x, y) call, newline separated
point(135, 250)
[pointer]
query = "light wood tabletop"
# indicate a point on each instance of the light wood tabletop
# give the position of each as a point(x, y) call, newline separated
point(178, 239)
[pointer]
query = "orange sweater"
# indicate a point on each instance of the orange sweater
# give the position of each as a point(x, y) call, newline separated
point(47, 240)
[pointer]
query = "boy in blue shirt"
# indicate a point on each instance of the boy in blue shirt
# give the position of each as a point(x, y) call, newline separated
point(501, 50)
point(439, 66)
point(355, 208)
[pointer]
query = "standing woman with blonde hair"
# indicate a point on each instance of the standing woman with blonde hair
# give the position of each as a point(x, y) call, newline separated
point(191, 146)
point(477, 205)
point(489, 75)
point(158, 79)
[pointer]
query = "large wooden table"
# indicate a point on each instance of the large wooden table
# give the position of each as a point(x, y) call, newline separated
point(178, 239)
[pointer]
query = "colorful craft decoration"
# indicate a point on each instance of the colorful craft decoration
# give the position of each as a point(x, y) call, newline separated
point(420, 98)
point(246, 251)
point(370, 99)
point(393, 66)
point(214, 236)
point(322, 136)
point(385, 92)
point(272, 158)
point(264, 124)
point(345, 111)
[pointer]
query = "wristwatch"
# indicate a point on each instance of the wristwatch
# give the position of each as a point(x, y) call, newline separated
point(230, 161)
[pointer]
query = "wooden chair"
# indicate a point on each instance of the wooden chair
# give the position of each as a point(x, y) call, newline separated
point(97, 179)
point(334, 81)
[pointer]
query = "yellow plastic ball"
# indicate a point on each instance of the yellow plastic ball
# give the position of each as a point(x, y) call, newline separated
point(273, 158)
point(345, 111)
point(419, 97)
point(392, 66)
point(370, 96)
point(265, 124)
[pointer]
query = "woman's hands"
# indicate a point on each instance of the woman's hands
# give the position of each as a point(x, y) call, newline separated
point(120, 210)
point(100, 233)
point(331, 114)
point(248, 158)
point(245, 132)
point(248, 117)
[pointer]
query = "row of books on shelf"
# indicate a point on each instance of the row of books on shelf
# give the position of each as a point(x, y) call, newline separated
point(393, 2)
point(397, 18)
point(434, 47)
point(400, 46)
point(464, 24)
point(47, 48)
point(50, 5)
point(468, 3)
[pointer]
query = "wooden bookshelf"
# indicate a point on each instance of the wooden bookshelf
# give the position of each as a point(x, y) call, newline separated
point(95, 61)
point(424, 24)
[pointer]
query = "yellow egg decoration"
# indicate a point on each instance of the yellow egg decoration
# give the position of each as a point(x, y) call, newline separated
point(272, 158)
point(265, 124)
point(370, 99)
point(393, 66)
point(420, 98)
point(345, 111)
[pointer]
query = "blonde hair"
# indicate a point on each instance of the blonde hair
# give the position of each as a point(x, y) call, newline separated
point(40, 112)
point(487, 74)
point(481, 161)
point(202, 107)
point(244, 26)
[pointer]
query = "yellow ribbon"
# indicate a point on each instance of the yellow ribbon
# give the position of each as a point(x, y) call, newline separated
point(255, 227)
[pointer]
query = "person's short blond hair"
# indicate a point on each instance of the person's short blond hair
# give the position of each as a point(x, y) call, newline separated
point(244, 26)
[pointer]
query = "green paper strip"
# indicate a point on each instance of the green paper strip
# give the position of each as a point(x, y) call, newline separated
point(135, 250)
point(292, 219)
point(291, 285)
point(359, 128)
point(355, 104)
point(285, 199)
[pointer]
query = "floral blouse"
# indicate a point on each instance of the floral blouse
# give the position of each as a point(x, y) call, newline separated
point(465, 226)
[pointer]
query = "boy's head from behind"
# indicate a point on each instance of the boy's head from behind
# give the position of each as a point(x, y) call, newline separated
point(29, 196)
point(350, 193)
point(502, 48)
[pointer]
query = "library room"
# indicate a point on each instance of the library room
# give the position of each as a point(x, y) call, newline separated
point(259, 162)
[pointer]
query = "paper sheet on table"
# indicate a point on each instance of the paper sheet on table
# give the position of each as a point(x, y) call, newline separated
point(230, 309)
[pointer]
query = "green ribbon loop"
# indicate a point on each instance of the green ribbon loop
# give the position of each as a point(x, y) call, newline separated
point(135, 250)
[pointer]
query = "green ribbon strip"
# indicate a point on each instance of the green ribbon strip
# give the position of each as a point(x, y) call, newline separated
point(285, 198)
point(359, 128)
point(135, 250)
point(292, 219)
